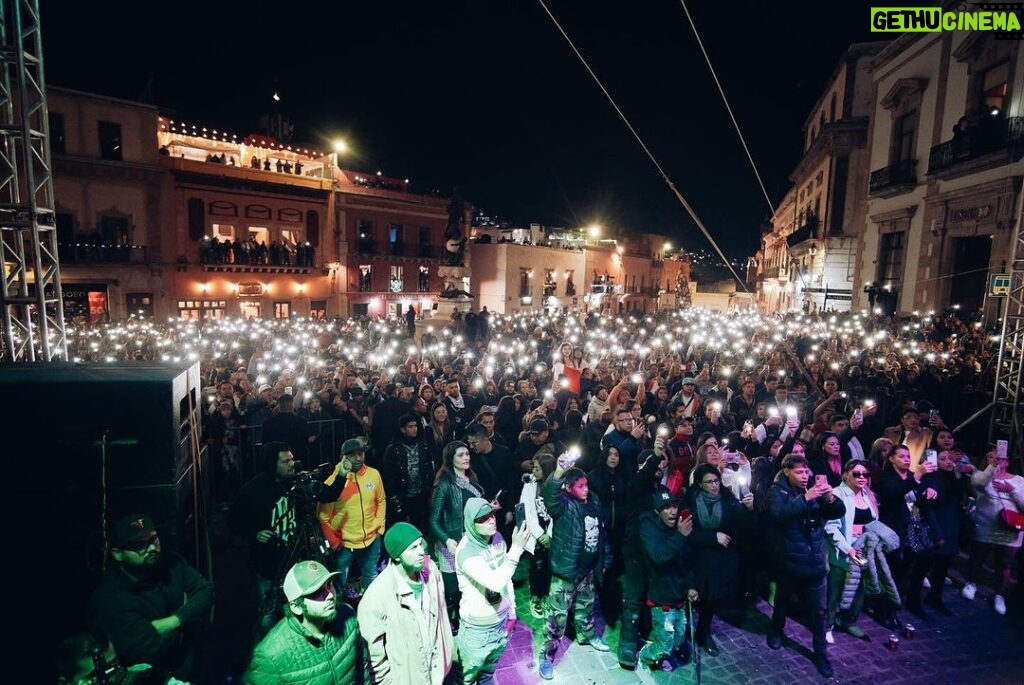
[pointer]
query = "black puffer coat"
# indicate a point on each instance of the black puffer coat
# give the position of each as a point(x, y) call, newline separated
point(716, 568)
point(576, 525)
point(798, 528)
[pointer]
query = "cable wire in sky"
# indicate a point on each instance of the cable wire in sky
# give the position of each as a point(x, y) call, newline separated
point(650, 155)
point(725, 100)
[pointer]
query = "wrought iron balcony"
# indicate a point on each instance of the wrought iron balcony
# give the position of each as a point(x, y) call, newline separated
point(990, 135)
point(80, 252)
point(894, 179)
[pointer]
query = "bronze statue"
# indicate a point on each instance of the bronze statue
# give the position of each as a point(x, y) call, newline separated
point(454, 238)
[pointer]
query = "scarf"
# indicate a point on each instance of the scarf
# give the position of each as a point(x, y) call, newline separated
point(458, 402)
point(709, 510)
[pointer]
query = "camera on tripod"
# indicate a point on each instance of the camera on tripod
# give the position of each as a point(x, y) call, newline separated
point(307, 485)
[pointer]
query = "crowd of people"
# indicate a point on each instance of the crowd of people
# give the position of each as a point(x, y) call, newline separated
point(659, 470)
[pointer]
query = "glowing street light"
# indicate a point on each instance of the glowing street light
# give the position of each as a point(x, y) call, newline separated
point(594, 230)
point(340, 145)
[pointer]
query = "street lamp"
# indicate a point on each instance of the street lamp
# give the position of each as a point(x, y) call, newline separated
point(340, 145)
point(594, 230)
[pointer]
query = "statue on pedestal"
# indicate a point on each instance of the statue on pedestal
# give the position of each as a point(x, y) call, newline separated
point(454, 237)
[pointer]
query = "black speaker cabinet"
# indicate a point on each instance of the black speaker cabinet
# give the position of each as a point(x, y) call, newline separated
point(84, 444)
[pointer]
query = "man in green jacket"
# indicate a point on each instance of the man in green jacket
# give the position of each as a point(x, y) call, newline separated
point(318, 641)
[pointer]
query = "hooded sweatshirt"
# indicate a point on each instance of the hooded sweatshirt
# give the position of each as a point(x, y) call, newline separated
point(484, 572)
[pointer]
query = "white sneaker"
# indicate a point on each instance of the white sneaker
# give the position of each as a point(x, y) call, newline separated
point(968, 591)
point(927, 584)
point(999, 604)
point(829, 638)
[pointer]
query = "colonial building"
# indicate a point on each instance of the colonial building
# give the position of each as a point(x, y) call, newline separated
point(808, 255)
point(946, 143)
point(510, 277)
point(111, 204)
point(167, 218)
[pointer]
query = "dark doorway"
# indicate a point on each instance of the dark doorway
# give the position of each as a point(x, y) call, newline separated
point(970, 272)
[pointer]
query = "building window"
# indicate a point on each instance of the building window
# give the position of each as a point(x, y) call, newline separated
point(282, 309)
point(832, 108)
point(318, 309)
point(364, 235)
point(360, 309)
point(139, 304)
point(115, 230)
point(58, 143)
point(365, 278)
point(395, 242)
point(903, 130)
point(424, 242)
point(995, 87)
point(261, 234)
point(550, 284)
point(194, 310)
point(291, 236)
point(222, 231)
point(424, 279)
point(570, 287)
point(524, 282)
point(890, 258)
point(397, 283)
point(110, 140)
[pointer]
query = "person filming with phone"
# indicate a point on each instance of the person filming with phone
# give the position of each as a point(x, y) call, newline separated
point(798, 510)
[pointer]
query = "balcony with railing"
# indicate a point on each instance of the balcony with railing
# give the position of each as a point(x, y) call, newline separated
point(605, 289)
point(83, 252)
point(243, 257)
point(894, 179)
point(993, 142)
point(776, 271)
point(807, 231)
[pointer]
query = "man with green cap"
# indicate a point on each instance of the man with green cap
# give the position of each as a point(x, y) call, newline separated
point(403, 616)
point(487, 610)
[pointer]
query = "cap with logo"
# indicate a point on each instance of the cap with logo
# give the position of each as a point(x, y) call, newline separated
point(305, 577)
point(662, 498)
point(538, 426)
point(131, 528)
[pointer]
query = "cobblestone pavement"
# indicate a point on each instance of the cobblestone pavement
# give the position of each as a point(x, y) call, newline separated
point(974, 646)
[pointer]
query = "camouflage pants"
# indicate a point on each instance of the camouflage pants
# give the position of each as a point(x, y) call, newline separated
point(562, 595)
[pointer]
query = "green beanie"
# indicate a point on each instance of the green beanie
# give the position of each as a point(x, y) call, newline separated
point(399, 537)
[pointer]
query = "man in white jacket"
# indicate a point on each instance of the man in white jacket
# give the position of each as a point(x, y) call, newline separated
point(403, 616)
point(487, 610)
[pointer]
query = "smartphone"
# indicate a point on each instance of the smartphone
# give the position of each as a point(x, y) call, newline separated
point(821, 479)
point(288, 390)
point(520, 514)
point(637, 378)
point(685, 514)
point(931, 456)
point(933, 414)
point(1001, 448)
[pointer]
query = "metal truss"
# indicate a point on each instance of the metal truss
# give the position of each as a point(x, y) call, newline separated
point(1005, 423)
point(30, 297)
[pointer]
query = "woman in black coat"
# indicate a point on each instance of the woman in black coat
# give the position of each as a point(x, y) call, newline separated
point(608, 482)
point(719, 520)
point(943, 515)
point(896, 486)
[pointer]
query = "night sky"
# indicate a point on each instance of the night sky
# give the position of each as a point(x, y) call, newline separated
point(488, 95)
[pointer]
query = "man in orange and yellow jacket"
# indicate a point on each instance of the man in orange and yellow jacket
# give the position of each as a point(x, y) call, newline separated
point(354, 524)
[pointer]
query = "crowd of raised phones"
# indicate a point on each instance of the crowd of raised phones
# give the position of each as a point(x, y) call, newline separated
point(658, 469)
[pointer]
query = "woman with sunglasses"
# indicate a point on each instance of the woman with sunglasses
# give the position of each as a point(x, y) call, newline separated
point(847, 590)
